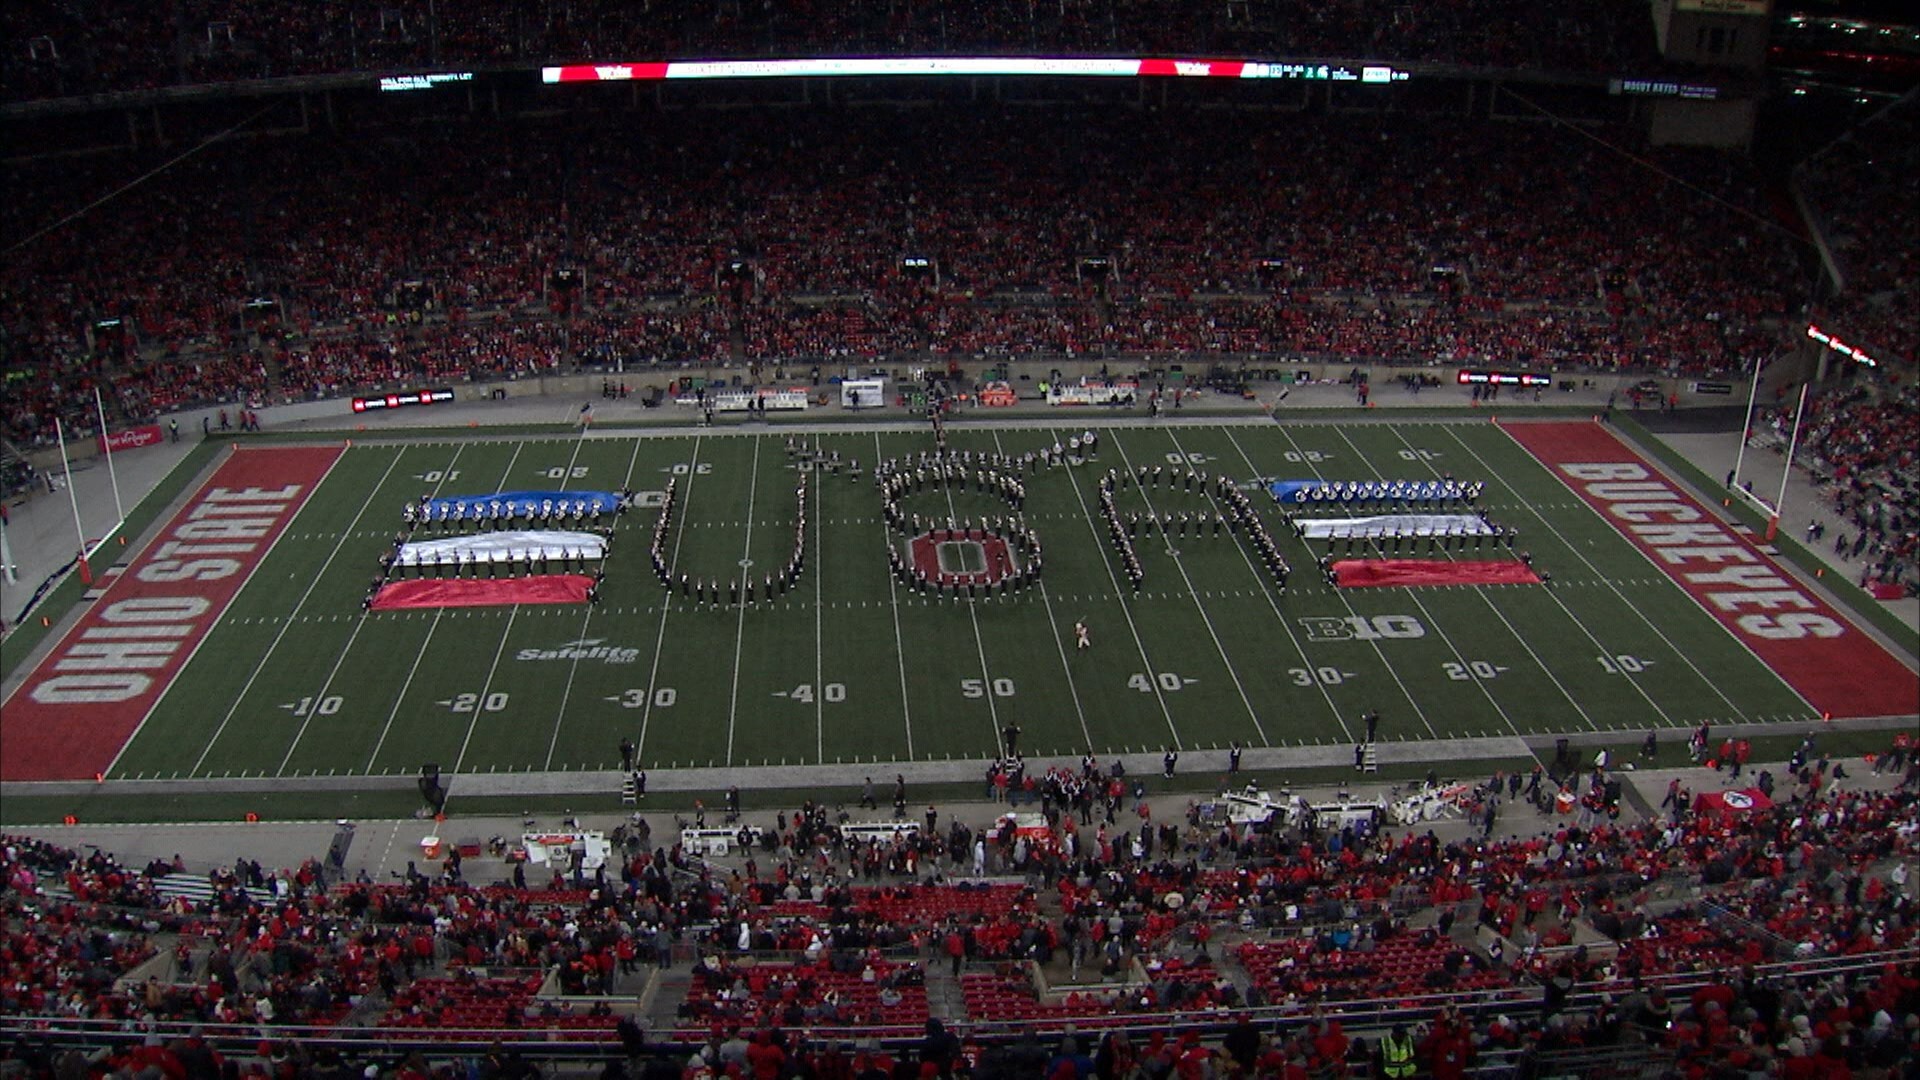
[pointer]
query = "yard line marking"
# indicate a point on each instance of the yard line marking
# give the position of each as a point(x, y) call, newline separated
point(1126, 611)
point(1059, 643)
point(1651, 625)
point(586, 620)
point(1575, 702)
point(980, 647)
point(1279, 617)
point(486, 688)
point(666, 604)
point(418, 655)
point(325, 685)
point(740, 629)
point(358, 626)
point(1448, 638)
point(1379, 654)
point(893, 596)
point(288, 625)
point(566, 477)
point(819, 648)
point(1205, 619)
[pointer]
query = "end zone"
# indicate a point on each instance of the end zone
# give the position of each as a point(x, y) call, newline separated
point(72, 715)
point(1839, 670)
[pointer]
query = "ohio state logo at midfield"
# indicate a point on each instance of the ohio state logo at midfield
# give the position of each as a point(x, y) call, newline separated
point(963, 557)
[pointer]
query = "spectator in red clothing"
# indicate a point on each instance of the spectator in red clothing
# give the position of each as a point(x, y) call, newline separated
point(766, 1057)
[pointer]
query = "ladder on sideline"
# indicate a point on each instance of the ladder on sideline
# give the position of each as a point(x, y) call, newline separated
point(630, 790)
point(1369, 758)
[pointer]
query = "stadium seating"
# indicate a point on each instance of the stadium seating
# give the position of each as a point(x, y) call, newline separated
point(449, 285)
point(819, 995)
point(1861, 441)
point(1865, 193)
point(436, 958)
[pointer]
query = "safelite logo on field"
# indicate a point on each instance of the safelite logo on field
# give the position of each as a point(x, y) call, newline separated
point(584, 649)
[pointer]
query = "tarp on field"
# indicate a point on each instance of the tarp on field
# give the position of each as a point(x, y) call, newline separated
point(1407, 573)
point(511, 545)
point(482, 592)
point(1396, 525)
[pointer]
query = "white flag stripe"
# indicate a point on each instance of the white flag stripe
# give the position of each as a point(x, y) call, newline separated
point(1396, 525)
point(506, 546)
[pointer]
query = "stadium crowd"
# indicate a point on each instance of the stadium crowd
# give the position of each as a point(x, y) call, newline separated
point(1865, 192)
point(1862, 443)
point(1592, 930)
point(278, 270)
point(57, 48)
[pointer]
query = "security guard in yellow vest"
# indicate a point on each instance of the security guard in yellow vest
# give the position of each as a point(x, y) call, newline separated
point(1396, 1053)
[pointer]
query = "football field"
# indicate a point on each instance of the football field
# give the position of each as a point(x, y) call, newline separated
point(295, 679)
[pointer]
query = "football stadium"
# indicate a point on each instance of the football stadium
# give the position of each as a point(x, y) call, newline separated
point(1264, 539)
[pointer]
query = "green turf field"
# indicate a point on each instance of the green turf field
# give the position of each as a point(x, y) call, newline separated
point(296, 680)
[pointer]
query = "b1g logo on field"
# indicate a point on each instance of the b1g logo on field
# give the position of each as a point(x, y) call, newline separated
point(1363, 628)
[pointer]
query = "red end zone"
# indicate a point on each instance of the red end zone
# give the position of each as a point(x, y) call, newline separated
point(72, 715)
point(1838, 669)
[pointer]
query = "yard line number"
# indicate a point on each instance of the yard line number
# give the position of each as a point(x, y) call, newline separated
point(636, 698)
point(832, 693)
point(1166, 680)
point(466, 703)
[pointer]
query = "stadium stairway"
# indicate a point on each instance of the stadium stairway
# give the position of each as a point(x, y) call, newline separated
point(945, 1001)
point(195, 890)
point(668, 989)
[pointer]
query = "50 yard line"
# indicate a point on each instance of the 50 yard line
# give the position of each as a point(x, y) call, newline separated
point(979, 642)
point(1059, 643)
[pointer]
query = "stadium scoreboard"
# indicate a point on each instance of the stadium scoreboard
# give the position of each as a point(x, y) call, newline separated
point(1059, 67)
